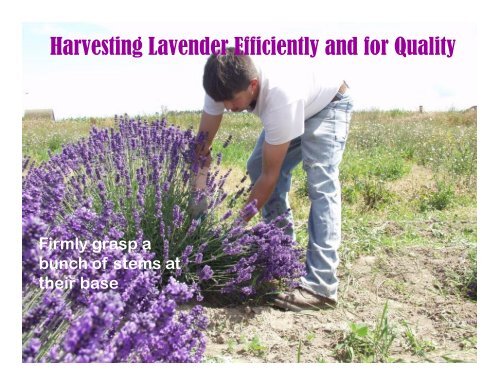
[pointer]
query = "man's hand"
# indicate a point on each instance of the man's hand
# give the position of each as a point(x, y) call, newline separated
point(199, 180)
point(198, 202)
point(209, 124)
point(272, 160)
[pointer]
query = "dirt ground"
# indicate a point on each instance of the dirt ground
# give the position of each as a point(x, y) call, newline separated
point(414, 285)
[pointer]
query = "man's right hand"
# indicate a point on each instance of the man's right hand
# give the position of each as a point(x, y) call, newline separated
point(197, 208)
point(198, 202)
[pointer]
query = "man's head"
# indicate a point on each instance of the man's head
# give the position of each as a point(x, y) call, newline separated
point(232, 79)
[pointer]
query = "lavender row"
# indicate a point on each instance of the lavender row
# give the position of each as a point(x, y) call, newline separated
point(133, 183)
point(137, 177)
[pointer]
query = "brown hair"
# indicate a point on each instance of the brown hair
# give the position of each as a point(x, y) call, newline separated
point(226, 75)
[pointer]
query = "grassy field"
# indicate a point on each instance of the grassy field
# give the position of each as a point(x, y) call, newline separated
point(409, 232)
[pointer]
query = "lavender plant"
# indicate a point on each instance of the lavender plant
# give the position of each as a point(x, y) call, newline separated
point(137, 178)
point(133, 183)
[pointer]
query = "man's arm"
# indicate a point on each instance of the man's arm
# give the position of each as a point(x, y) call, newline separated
point(272, 159)
point(210, 125)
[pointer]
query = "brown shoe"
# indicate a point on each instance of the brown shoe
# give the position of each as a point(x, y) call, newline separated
point(301, 299)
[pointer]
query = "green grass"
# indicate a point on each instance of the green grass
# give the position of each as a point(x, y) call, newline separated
point(440, 198)
point(463, 279)
point(418, 346)
point(365, 344)
point(469, 279)
point(256, 347)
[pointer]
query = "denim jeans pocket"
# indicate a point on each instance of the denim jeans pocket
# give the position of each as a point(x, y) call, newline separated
point(341, 115)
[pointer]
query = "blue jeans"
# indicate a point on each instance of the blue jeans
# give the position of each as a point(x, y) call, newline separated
point(320, 148)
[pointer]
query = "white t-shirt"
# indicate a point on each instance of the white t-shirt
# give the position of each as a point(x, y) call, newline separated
point(287, 97)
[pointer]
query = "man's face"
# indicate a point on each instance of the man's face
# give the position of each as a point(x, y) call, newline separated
point(243, 100)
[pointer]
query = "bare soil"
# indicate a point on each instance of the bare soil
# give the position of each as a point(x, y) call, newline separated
point(416, 284)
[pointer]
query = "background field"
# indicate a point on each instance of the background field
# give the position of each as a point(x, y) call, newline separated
point(408, 257)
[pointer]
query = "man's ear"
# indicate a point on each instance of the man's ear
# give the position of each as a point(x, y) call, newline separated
point(253, 85)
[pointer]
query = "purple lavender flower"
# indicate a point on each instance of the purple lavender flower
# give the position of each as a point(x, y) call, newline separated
point(185, 254)
point(206, 273)
point(31, 350)
point(248, 290)
point(194, 224)
point(198, 258)
point(227, 215)
point(177, 216)
point(249, 210)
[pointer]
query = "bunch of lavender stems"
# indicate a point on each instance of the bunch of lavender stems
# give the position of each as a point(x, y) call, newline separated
point(133, 182)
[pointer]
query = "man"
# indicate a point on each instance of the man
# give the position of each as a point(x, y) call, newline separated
point(306, 118)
